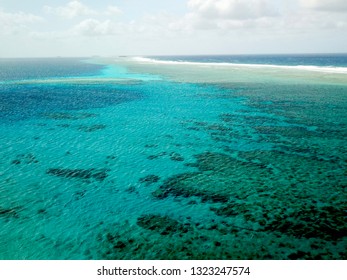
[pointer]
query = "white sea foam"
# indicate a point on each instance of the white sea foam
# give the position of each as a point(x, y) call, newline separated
point(324, 69)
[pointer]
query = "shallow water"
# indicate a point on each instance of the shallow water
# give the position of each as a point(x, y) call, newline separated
point(138, 164)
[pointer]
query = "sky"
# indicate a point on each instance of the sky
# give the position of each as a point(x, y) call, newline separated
point(49, 28)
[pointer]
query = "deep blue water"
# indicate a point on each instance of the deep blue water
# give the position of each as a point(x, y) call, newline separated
point(331, 60)
point(38, 68)
point(19, 102)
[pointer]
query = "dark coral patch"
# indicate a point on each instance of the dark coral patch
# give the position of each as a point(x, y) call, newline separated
point(227, 210)
point(161, 224)
point(223, 163)
point(91, 128)
point(172, 186)
point(181, 185)
point(149, 179)
point(328, 222)
point(176, 157)
point(9, 212)
point(92, 173)
point(16, 161)
point(70, 116)
point(151, 157)
point(25, 159)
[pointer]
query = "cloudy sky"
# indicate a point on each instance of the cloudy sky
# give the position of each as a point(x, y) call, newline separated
point(40, 28)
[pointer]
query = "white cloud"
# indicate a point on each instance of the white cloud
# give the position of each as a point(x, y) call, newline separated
point(93, 28)
point(201, 26)
point(76, 8)
point(71, 10)
point(113, 11)
point(262, 16)
point(233, 9)
point(17, 22)
point(325, 5)
point(148, 26)
point(228, 14)
point(18, 17)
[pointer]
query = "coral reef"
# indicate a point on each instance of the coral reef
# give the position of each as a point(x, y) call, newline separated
point(24, 159)
point(91, 128)
point(149, 179)
point(92, 173)
point(162, 224)
point(70, 116)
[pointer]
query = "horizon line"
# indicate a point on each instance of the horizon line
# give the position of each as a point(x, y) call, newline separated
point(168, 55)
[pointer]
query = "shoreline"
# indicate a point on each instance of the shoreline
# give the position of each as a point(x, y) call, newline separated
point(193, 72)
point(315, 68)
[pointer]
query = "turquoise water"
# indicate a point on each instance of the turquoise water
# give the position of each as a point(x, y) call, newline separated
point(128, 165)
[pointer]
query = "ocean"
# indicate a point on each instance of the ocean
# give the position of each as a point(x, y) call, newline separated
point(180, 157)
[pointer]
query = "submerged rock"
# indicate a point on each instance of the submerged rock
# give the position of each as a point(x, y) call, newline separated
point(176, 157)
point(64, 125)
point(149, 179)
point(25, 159)
point(192, 184)
point(161, 224)
point(328, 222)
point(70, 116)
point(8, 212)
point(91, 128)
point(16, 161)
point(151, 157)
point(92, 173)
point(219, 162)
point(172, 186)
point(227, 210)
point(290, 131)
